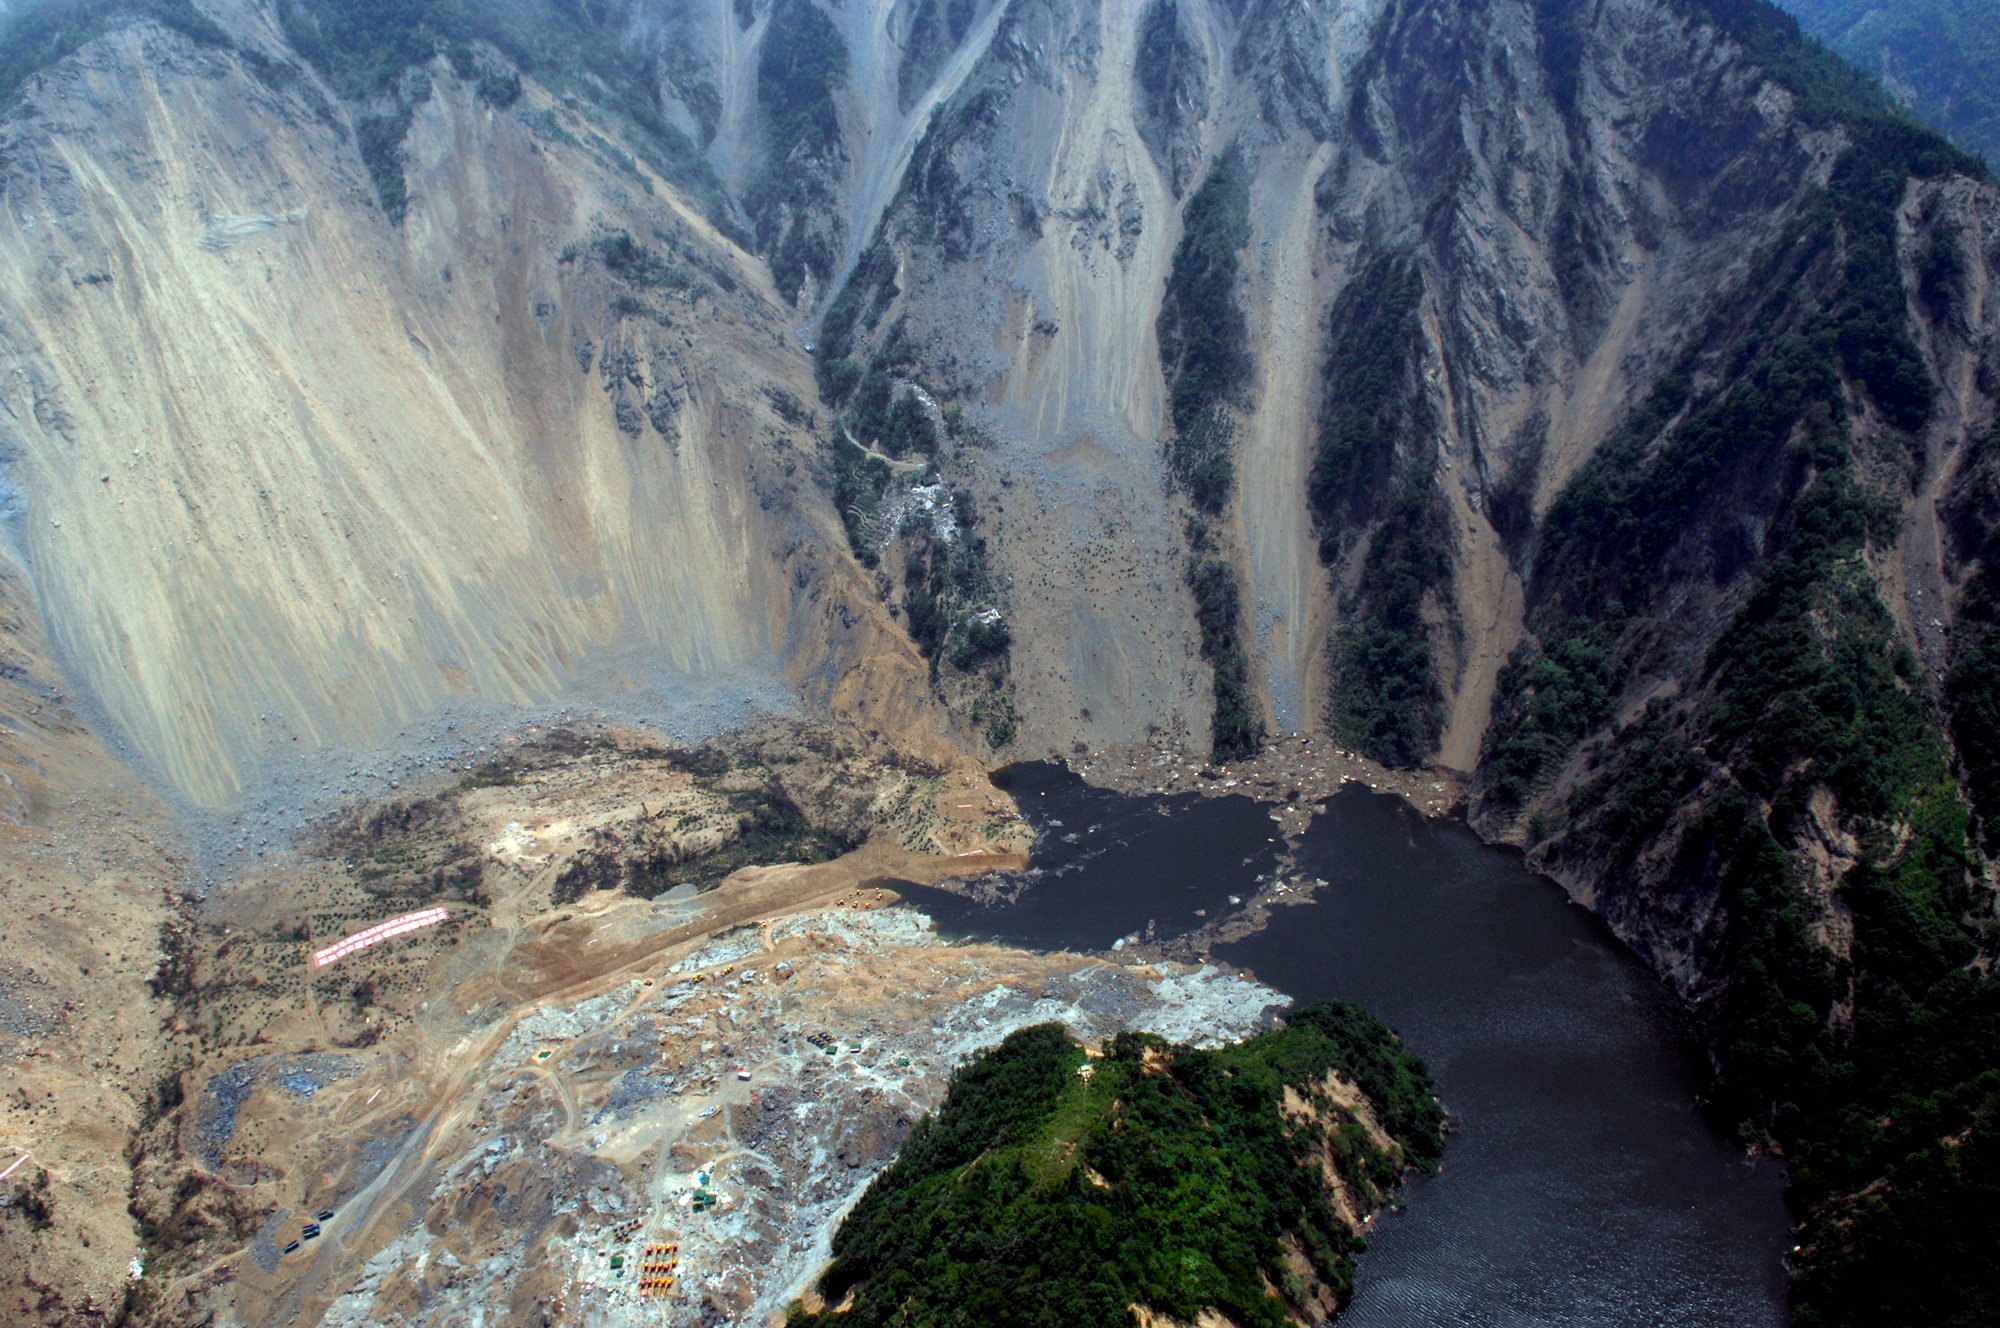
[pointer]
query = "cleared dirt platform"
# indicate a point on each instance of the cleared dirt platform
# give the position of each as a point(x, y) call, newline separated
point(496, 1107)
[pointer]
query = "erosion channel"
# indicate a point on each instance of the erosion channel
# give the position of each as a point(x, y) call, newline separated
point(1581, 1186)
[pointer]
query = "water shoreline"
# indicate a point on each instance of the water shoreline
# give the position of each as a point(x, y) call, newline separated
point(1582, 1179)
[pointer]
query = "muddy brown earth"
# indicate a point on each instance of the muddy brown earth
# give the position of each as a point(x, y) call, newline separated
point(1296, 771)
point(675, 1001)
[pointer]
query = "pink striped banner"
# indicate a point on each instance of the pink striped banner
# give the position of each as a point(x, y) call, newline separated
point(381, 931)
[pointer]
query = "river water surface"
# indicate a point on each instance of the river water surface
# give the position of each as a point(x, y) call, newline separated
point(1581, 1186)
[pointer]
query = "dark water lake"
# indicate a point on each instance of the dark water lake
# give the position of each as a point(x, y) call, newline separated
point(1582, 1187)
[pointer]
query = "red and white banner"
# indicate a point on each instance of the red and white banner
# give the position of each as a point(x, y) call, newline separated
point(381, 931)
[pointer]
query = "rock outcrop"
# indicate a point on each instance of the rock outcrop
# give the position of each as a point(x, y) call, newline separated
point(1593, 399)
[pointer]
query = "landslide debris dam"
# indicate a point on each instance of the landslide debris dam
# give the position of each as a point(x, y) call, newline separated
point(436, 438)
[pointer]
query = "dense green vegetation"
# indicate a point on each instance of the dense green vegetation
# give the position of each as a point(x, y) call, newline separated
point(1943, 54)
point(1829, 88)
point(859, 481)
point(1162, 51)
point(893, 421)
point(1872, 1069)
point(877, 417)
point(858, 309)
point(800, 68)
point(1972, 687)
point(950, 596)
point(1168, 70)
point(379, 138)
point(1614, 529)
point(1371, 478)
point(1235, 730)
point(1386, 699)
point(1204, 352)
point(1169, 1178)
point(1548, 701)
point(1371, 400)
point(1204, 336)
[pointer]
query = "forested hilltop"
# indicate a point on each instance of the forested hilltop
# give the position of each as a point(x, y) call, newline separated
point(1939, 57)
point(1055, 1186)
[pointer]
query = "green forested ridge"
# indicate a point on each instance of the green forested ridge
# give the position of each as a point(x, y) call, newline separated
point(1371, 473)
point(1545, 702)
point(857, 310)
point(1218, 610)
point(895, 422)
point(1873, 1068)
point(1204, 336)
point(1171, 1178)
point(1168, 70)
point(1972, 686)
point(800, 68)
point(1829, 88)
point(1204, 352)
point(1944, 55)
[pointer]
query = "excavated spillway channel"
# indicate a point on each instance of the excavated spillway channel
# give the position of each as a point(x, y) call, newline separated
point(1582, 1186)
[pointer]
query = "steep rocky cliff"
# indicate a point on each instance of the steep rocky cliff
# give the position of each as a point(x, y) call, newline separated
point(1562, 393)
point(292, 476)
point(1595, 398)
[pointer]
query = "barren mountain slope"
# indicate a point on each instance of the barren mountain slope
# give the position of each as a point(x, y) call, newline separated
point(1567, 240)
point(94, 872)
point(292, 477)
